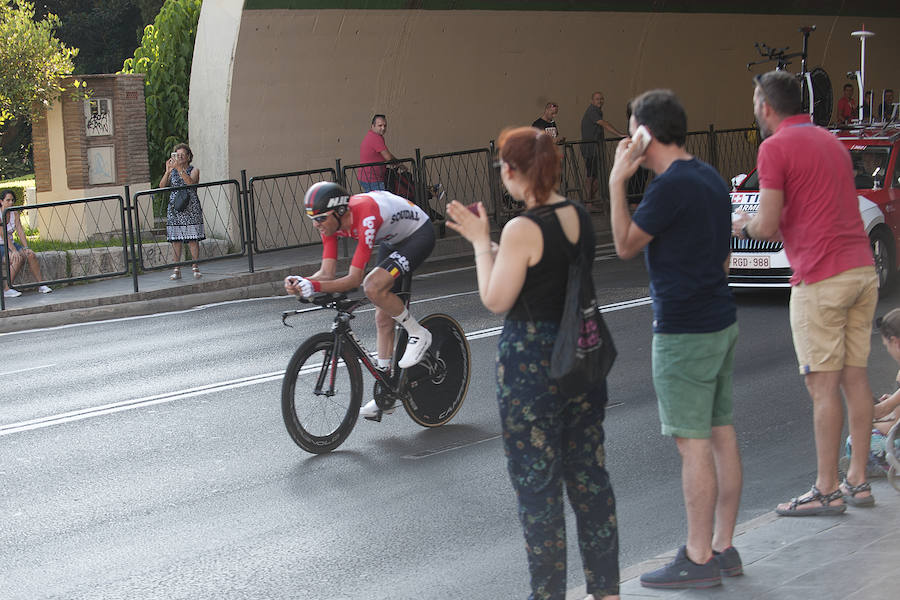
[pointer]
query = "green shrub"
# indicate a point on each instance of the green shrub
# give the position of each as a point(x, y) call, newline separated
point(164, 58)
point(17, 188)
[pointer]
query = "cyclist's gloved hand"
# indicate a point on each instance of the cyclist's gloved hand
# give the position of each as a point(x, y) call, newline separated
point(300, 286)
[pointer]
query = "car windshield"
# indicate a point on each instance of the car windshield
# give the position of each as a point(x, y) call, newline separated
point(870, 166)
point(751, 182)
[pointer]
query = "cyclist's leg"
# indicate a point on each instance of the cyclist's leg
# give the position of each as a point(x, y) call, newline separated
point(380, 286)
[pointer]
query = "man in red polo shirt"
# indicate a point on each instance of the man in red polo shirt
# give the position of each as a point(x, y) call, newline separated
point(807, 191)
point(373, 149)
point(846, 108)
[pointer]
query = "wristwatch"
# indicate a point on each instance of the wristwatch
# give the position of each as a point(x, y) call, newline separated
point(745, 233)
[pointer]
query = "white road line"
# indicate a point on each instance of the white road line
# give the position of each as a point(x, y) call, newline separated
point(5, 373)
point(115, 407)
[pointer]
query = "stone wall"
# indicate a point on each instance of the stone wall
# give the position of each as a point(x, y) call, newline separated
point(85, 262)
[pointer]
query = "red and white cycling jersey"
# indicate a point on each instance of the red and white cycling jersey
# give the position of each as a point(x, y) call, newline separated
point(378, 217)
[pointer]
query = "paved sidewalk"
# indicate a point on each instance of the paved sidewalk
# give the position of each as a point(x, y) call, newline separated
point(223, 280)
point(853, 556)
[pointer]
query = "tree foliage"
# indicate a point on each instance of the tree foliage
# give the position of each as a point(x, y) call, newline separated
point(164, 57)
point(106, 32)
point(32, 60)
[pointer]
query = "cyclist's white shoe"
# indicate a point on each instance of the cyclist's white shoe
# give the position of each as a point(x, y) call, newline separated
point(416, 347)
point(371, 411)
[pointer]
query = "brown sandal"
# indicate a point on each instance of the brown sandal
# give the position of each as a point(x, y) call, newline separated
point(852, 490)
point(814, 495)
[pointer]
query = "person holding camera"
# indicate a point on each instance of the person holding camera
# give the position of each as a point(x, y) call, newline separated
point(184, 220)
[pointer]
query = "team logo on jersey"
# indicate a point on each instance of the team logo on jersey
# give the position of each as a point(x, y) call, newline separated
point(369, 231)
point(405, 214)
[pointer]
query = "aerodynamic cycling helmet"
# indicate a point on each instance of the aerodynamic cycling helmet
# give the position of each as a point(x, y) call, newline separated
point(326, 196)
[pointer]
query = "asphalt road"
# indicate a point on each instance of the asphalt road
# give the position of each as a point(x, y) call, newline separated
point(146, 458)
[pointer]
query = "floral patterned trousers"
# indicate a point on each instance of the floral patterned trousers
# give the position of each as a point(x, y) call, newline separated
point(549, 439)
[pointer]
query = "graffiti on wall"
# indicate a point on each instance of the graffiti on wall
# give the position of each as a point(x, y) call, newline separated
point(98, 117)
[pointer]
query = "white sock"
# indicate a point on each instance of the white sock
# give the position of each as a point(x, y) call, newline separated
point(384, 363)
point(409, 323)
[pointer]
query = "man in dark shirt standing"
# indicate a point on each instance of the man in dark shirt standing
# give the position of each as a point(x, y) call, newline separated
point(593, 128)
point(886, 108)
point(683, 227)
point(547, 122)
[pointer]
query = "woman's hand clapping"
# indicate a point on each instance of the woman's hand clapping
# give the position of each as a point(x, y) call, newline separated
point(473, 225)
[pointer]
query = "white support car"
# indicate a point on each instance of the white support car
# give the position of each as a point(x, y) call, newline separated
point(874, 150)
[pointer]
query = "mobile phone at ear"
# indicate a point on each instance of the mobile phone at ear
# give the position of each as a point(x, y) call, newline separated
point(641, 139)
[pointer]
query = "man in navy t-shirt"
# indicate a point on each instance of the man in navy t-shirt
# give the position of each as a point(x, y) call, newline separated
point(684, 225)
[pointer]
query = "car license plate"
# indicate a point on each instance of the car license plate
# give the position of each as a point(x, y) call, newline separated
point(743, 261)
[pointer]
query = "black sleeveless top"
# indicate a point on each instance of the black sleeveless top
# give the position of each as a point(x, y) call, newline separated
point(544, 290)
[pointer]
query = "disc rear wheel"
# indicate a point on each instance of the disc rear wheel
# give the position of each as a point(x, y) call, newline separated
point(437, 385)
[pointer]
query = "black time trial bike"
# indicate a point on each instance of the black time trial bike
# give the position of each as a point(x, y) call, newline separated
point(322, 388)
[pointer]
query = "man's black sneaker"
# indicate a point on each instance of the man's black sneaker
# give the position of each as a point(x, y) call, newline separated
point(684, 573)
point(729, 562)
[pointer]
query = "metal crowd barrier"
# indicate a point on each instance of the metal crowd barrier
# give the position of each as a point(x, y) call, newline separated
point(277, 217)
point(464, 176)
point(121, 235)
point(223, 220)
point(98, 223)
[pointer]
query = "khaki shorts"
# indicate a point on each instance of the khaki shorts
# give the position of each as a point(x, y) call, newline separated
point(831, 320)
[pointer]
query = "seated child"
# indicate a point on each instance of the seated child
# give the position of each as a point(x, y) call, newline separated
point(887, 408)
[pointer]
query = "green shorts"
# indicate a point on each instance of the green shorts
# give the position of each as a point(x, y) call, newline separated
point(692, 375)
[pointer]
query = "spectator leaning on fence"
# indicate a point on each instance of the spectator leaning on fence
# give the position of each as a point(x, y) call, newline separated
point(373, 149)
point(184, 225)
point(19, 251)
point(593, 128)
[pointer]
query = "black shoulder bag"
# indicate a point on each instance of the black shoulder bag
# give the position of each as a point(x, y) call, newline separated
point(180, 202)
point(584, 351)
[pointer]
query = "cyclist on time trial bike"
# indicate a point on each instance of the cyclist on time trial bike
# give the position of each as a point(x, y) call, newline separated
point(405, 238)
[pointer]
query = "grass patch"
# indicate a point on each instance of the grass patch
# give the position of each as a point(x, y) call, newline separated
point(39, 245)
point(20, 179)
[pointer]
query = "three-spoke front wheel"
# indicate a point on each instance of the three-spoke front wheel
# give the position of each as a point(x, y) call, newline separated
point(321, 394)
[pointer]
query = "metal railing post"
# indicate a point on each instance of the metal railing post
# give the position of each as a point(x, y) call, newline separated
point(713, 150)
point(246, 194)
point(420, 181)
point(343, 243)
point(4, 263)
point(132, 216)
point(495, 191)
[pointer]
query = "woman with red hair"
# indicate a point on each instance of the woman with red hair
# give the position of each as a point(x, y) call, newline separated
point(550, 438)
